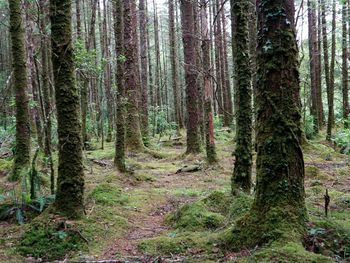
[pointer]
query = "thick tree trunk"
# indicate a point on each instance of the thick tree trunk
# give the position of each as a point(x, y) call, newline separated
point(191, 75)
point(133, 130)
point(70, 183)
point(22, 153)
point(243, 153)
point(208, 89)
point(119, 159)
point(278, 211)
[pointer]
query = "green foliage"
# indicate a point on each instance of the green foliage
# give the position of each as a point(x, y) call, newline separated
point(86, 60)
point(50, 240)
point(158, 121)
point(309, 127)
point(108, 194)
point(342, 140)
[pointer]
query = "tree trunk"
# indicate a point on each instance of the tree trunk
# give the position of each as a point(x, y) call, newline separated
point(313, 54)
point(22, 153)
point(329, 85)
point(174, 66)
point(70, 183)
point(144, 70)
point(345, 73)
point(278, 211)
point(133, 131)
point(243, 153)
point(191, 75)
point(119, 159)
point(208, 89)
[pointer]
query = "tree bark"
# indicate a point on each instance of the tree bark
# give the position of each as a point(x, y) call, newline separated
point(208, 89)
point(22, 152)
point(70, 183)
point(119, 159)
point(243, 153)
point(133, 130)
point(191, 76)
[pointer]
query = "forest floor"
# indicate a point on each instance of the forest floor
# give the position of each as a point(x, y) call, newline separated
point(141, 217)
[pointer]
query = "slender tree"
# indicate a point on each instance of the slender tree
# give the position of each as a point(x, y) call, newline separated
point(144, 70)
point(208, 89)
point(22, 152)
point(243, 152)
point(345, 72)
point(314, 63)
point(191, 75)
point(119, 159)
point(70, 182)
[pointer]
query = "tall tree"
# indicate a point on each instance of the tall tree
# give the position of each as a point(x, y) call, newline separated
point(174, 66)
point(191, 75)
point(208, 89)
point(329, 85)
point(22, 152)
point(316, 108)
point(119, 159)
point(280, 197)
point(345, 57)
point(70, 182)
point(144, 69)
point(133, 130)
point(243, 153)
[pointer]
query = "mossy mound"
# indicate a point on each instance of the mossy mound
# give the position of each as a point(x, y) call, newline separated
point(178, 243)
point(51, 238)
point(108, 194)
point(275, 224)
point(194, 217)
point(290, 252)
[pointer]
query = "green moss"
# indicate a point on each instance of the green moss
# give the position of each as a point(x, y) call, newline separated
point(311, 171)
point(5, 167)
point(288, 252)
point(179, 243)
point(275, 224)
point(195, 216)
point(51, 240)
point(108, 194)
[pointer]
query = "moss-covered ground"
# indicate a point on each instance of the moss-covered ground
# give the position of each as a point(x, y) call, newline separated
point(155, 212)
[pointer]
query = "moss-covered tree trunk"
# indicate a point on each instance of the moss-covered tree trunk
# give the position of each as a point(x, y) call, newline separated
point(191, 75)
point(279, 206)
point(22, 151)
point(144, 70)
point(70, 183)
point(208, 88)
point(119, 159)
point(133, 137)
point(243, 153)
